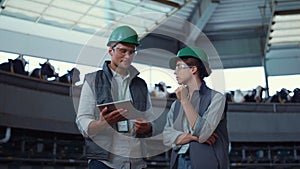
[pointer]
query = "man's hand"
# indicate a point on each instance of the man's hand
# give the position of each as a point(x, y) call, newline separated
point(114, 116)
point(142, 126)
point(212, 139)
point(186, 138)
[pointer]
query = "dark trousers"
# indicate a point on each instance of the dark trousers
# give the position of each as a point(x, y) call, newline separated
point(95, 164)
point(184, 162)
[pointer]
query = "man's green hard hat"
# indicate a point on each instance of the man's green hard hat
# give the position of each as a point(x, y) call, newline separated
point(123, 34)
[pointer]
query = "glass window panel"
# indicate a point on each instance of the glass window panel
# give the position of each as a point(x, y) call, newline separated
point(151, 17)
point(140, 30)
point(116, 5)
point(27, 5)
point(98, 22)
point(158, 6)
point(140, 9)
point(56, 21)
point(62, 13)
point(147, 14)
point(20, 14)
point(85, 28)
point(89, 26)
point(92, 2)
point(102, 13)
point(137, 21)
point(46, 2)
point(132, 1)
point(71, 5)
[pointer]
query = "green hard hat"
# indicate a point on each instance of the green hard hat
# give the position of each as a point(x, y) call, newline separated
point(194, 52)
point(123, 34)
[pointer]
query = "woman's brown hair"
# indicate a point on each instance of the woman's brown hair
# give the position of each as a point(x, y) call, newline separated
point(191, 61)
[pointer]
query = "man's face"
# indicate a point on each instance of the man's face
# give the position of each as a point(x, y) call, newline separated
point(122, 55)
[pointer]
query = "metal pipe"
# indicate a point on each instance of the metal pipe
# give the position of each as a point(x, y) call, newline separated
point(7, 136)
point(3, 4)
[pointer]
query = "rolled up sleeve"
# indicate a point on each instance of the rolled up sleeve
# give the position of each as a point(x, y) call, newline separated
point(170, 134)
point(206, 125)
point(86, 109)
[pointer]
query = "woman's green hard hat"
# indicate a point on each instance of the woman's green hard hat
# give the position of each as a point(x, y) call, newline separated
point(194, 52)
point(123, 34)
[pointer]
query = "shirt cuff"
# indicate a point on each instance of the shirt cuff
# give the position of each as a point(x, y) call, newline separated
point(84, 125)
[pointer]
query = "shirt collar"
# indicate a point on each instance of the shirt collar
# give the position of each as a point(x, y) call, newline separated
point(202, 88)
point(115, 74)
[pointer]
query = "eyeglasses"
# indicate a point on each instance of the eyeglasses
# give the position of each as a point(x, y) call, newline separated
point(123, 51)
point(182, 67)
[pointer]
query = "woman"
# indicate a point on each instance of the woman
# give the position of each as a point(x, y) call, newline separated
point(196, 125)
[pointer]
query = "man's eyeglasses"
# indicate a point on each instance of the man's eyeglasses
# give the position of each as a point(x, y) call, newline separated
point(182, 67)
point(123, 51)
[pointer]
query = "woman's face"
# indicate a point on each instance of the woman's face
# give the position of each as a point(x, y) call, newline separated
point(183, 72)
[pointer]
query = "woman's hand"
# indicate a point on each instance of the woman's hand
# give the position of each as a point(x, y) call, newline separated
point(212, 139)
point(186, 138)
point(182, 93)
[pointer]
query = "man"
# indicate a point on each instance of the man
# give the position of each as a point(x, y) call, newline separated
point(112, 141)
point(196, 125)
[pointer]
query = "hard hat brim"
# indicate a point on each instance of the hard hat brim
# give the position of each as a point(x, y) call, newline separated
point(173, 61)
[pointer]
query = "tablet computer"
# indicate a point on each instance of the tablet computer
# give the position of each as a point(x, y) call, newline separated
point(111, 106)
point(133, 113)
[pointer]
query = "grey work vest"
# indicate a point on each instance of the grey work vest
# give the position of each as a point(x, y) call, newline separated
point(203, 155)
point(101, 82)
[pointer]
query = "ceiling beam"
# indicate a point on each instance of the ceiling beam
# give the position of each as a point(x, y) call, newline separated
point(169, 3)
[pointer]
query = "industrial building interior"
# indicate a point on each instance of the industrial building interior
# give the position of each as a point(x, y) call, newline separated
point(40, 132)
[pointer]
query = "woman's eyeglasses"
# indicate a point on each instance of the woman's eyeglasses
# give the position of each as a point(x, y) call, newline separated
point(182, 67)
